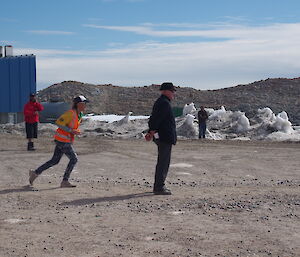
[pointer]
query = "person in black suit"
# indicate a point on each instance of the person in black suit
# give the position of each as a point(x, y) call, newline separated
point(162, 129)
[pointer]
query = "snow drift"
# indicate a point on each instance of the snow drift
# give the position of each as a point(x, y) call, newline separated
point(221, 124)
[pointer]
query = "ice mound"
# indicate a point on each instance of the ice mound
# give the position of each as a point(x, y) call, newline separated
point(188, 129)
point(188, 109)
point(282, 123)
point(240, 124)
point(243, 124)
point(220, 115)
point(231, 122)
point(125, 120)
point(267, 123)
point(221, 124)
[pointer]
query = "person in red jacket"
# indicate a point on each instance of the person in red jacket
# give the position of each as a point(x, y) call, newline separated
point(31, 116)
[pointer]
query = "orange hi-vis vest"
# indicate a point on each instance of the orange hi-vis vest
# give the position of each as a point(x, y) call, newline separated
point(64, 136)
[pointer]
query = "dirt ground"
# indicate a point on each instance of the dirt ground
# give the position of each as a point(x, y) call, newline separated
point(229, 198)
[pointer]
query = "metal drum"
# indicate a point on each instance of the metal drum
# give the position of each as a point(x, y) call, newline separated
point(52, 111)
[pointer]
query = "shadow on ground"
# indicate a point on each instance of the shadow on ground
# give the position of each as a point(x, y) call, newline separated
point(27, 188)
point(79, 202)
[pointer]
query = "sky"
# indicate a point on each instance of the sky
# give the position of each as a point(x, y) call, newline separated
point(193, 43)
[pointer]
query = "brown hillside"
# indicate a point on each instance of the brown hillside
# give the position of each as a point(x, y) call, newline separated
point(278, 94)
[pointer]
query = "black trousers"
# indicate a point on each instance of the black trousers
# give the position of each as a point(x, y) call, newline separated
point(163, 163)
point(31, 130)
point(202, 129)
point(60, 149)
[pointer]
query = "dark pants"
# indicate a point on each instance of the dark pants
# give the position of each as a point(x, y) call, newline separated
point(60, 149)
point(163, 163)
point(202, 129)
point(31, 130)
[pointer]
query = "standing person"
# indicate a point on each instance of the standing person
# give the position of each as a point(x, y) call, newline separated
point(68, 124)
point(202, 117)
point(31, 116)
point(162, 129)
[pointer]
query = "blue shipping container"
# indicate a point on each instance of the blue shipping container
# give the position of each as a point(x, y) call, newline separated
point(17, 81)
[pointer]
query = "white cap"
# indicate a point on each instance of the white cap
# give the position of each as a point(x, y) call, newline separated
point(79, 99)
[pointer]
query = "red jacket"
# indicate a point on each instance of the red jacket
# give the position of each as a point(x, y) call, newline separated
point(30, 111)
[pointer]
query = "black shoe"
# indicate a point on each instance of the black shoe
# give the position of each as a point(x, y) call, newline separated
point(66, 183)
point(163, 191)
point(30, 146)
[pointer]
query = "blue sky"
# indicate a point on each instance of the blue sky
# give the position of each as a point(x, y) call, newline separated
point(195, 43)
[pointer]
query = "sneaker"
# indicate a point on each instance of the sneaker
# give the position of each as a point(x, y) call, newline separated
point(32, 176)
point(66, 183)
point(163, 191)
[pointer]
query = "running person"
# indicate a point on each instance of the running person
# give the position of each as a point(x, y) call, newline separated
point(68, 124)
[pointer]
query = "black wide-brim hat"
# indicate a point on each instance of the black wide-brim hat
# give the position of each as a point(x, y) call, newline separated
point(167, 86)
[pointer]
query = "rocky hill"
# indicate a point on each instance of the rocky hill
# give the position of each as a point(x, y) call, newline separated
point(279, 94)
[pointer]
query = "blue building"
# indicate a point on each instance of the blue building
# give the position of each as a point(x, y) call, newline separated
point(17, 81)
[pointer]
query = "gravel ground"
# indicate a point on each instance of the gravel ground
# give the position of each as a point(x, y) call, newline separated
point(230, 198)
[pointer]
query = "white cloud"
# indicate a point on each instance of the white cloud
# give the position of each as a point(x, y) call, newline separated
point(212, 30)
point(236, 18)
point(249, 54)
point(7, 42)
point(49, 32)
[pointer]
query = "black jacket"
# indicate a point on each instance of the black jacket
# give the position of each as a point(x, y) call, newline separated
point(202, 116)
point(162, 120)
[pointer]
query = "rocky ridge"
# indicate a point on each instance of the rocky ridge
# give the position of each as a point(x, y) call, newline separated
point(279, 94)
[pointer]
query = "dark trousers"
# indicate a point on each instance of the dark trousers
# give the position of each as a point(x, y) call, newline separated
point(163, 163)
point(202, 129)
point(31, 130)
point(60, 149)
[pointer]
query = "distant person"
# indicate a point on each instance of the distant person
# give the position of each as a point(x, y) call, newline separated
point(202, 117)
point(162, 129)
point(31, 116)
point(68, 124)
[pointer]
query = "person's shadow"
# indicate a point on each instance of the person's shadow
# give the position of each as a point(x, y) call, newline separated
point(13, 150)
point(16, 190)
point(26, 188)
point(86, 201)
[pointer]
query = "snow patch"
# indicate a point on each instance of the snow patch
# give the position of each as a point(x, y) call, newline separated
point(13, 221)
point(177, 212)
point(184, 173)
point(181, 165)
point(113, 117)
